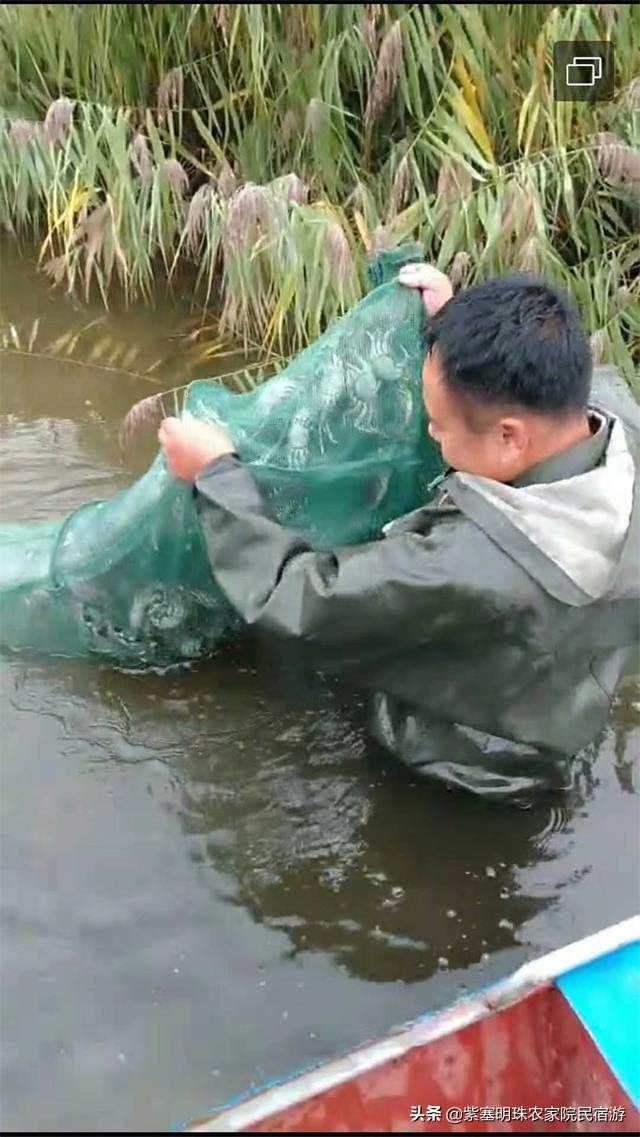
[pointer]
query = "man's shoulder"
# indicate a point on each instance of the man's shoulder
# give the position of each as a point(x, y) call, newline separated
point(450, 533)
point(442, 510)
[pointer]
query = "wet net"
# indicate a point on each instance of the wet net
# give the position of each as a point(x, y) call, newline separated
point(336, 441)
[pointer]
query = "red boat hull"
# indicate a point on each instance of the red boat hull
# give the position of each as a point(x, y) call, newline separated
point(534, 1057)
point(554, 1048)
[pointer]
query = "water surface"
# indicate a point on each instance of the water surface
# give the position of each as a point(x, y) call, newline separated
point(211, 878)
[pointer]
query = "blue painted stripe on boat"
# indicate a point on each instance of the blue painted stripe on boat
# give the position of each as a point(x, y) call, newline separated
point(605, 995)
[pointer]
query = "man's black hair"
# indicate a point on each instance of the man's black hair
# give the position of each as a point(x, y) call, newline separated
point(515, 340)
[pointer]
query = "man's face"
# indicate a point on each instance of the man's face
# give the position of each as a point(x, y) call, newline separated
point(487, 442)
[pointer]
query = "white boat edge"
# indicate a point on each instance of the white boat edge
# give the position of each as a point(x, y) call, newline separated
point(536, 973)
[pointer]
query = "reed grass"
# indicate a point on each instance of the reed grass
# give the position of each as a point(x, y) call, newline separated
point(265, 151)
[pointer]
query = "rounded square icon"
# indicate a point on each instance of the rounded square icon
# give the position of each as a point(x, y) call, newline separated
point(583, 71)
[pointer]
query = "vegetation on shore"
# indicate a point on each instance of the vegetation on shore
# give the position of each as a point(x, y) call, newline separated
point(263, 151)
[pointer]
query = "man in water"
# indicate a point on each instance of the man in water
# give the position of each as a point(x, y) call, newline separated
point(492, 626)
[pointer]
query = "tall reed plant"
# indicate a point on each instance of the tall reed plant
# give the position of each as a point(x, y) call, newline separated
point(265, 151)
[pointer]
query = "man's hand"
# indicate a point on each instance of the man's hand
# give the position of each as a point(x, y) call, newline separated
point(435, 287)
point(189, 445)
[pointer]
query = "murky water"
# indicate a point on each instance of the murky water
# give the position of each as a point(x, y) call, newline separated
point(211, 879)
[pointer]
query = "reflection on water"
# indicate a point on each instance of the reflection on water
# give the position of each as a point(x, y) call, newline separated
point(212, 877)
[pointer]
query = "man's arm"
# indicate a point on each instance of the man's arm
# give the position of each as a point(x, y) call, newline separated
point(371, 597)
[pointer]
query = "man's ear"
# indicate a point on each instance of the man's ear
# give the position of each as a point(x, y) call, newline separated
point(514, 434)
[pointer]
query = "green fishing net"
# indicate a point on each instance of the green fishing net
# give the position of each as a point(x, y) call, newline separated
point(337, 442)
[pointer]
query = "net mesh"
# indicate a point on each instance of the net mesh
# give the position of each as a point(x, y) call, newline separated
point(337, 442)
